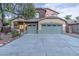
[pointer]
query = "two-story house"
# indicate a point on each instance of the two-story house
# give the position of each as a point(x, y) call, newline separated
point(45, 21)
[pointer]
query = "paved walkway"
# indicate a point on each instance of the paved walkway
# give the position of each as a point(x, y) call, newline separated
point(42, 45)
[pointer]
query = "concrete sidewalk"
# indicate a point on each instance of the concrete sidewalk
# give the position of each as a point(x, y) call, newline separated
point(73, 35)
point(42, 45)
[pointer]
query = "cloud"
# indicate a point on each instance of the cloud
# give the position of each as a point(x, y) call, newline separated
point(74, 11)
point(51, 5)
point(64, 8)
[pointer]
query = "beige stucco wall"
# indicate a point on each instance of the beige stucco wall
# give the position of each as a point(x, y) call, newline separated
point(50, 13)
point(19, 19)
point(54, 21)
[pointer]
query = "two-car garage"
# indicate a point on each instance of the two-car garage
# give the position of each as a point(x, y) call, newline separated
point(52, 26)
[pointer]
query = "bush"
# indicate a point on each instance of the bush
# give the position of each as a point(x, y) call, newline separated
point(15, 33)
point(7, 22)
point(0, 29)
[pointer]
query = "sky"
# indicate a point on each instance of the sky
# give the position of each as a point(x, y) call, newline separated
point(62, 8)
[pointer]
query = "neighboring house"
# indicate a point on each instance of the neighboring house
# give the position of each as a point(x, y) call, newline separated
point(45, 21)
point(73, 26)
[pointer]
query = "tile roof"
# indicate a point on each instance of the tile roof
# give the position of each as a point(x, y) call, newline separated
point(47, 9)
point(28, 20)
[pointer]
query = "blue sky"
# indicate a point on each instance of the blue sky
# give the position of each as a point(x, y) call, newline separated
point(62, 8)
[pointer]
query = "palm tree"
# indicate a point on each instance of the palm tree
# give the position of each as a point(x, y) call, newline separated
point(68, 17)
point(77, 17)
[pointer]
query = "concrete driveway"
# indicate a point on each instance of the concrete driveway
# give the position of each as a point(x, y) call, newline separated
point(42, 45)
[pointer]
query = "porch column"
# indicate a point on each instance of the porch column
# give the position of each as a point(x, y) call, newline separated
point(64, 28)
point(24, 26)
point(12, 25)
point(39, 26)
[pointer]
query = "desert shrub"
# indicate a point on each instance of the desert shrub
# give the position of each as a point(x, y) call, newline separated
point(15, 33)
point(7, 22)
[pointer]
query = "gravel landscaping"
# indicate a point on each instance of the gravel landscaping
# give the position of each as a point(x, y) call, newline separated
point(6, 38)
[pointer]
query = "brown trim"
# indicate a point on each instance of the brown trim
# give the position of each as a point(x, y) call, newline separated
point(31, 22)
point(40, 9)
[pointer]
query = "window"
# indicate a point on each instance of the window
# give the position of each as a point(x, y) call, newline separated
point(43, 24)
point(37, 15)
point(31, 25)
point(58, 25)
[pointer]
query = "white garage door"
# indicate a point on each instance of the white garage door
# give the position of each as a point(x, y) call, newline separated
point(31, 29)
point(51, 29)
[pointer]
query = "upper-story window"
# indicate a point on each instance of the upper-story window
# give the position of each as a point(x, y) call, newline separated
point(37, 15)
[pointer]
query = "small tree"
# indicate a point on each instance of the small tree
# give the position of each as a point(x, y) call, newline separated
point(31, 11)
point(77, 17)
point(27, 11)
point(22, 10)
point(68, 17)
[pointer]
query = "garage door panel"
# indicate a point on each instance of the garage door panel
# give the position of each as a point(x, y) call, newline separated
point(32, 28)
point(51, 29)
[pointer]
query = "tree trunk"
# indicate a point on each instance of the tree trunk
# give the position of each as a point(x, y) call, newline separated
point(2, 15)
